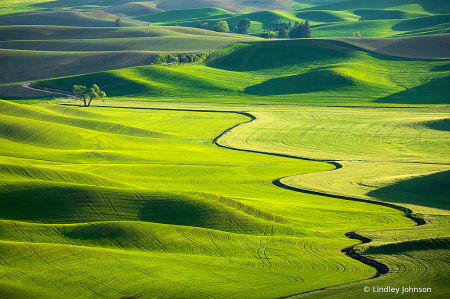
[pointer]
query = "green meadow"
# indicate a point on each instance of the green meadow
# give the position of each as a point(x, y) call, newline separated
point(171, 186)
point(268, 72)
point(333, 19)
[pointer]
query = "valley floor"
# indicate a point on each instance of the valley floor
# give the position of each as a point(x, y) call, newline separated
point(116, 201)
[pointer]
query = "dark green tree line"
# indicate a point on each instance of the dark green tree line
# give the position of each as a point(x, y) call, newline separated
point(301, 30)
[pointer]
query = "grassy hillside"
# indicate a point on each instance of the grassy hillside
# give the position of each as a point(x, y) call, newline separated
point(110, 202)
point(149, 185)
point(339, 19)
point(41, 50)
point(269, 72)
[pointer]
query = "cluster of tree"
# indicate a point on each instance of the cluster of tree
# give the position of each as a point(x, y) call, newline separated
point(276, 25)
point(164, 58)
point(356, 34)
point(221, 26)
point(244, 26)
point(118, 23)
point(188, 58)
point(301, 30)
point(88, 95)
point(182, 58)
point(268, 34)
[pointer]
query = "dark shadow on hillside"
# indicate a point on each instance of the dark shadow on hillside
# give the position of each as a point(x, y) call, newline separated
point(420, 23)
point(277, 54)
point(432, 191)
point(439, 7)
point(442, 68)
point(404, 247)
point(97, 231)
point(440, 125)
point(53, 204)
point(323, 80)
point(433, 92)
point(180, 212)
point(318, 16)
point(379, 14)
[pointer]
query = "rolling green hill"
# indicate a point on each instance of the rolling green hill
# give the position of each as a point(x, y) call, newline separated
point(340, 19)
point(146, 185)
point(268, 72)
point(137, 194)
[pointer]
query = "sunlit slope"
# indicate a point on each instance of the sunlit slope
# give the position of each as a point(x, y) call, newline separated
point(377, 148)
point(18, 6)
point(148, 194)
point(320, 72)
point(398, 156)
point(236, 6)
point(418, 257)
point(378, 18)
point(189, 18)
point(338, 19)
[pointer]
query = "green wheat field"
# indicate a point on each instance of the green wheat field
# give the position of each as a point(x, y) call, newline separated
point(237, 170)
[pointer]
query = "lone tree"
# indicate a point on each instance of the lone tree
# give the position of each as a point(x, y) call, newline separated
point(244, 26)
point(88, 95)
point(118, 23)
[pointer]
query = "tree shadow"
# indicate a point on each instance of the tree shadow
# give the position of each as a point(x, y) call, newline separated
point(432, 191)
